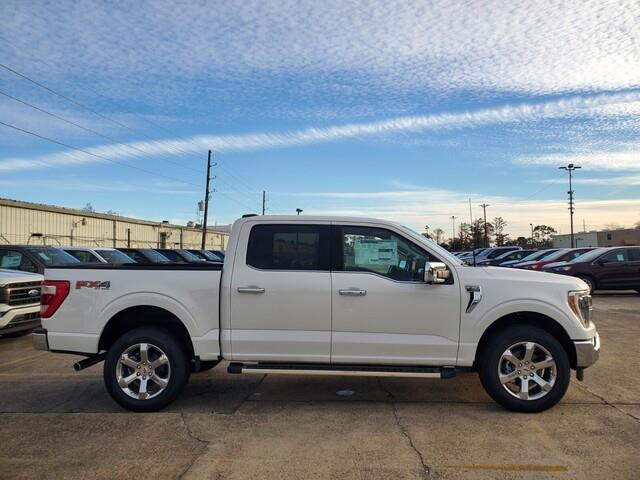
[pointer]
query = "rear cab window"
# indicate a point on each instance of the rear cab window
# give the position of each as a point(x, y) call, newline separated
point(289, 247)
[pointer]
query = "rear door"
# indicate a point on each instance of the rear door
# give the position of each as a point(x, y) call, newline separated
point(614, 269)
point(281, 293)
point(383, 311)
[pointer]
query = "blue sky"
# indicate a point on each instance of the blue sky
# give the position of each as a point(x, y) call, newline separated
point(398, 110)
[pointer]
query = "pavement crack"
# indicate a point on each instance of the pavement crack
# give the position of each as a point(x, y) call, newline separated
point(201, 441)
point(426, 470)
point(607, 402)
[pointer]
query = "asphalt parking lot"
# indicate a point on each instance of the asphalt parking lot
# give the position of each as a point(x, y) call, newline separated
point(56, 423)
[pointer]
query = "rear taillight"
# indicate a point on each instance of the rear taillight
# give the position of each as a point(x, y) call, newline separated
point(53, 294)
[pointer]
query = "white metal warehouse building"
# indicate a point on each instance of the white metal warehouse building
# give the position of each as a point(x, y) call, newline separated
point(38, 224)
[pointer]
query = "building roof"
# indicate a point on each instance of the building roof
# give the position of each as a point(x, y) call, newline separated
point(85, 213)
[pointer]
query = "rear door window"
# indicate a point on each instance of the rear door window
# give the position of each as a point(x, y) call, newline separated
point(289, 247)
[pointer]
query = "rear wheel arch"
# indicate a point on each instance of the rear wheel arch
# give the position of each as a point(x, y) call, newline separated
point(143, 316)
point(534, 319)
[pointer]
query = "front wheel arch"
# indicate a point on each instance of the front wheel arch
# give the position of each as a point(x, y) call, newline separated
point(534, 319)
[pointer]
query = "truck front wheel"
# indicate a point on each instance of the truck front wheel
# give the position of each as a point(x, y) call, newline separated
point(145, 369)
point(524, 369)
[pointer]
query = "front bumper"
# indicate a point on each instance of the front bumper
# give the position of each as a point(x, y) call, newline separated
point(587, 351)
point(39, 337)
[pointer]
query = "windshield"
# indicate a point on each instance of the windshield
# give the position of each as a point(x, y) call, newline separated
point(210, 256)
point(441, 251)
point(115, 256)
point(54, 256)
point(537, 255)
point(589, 256)
point(155, 257)
point(189, 257)
point(556, 255)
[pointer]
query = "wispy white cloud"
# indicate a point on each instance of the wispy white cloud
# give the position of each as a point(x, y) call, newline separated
point(626, 180)
point(575, 106)
point(349, 46)
point(628, 159)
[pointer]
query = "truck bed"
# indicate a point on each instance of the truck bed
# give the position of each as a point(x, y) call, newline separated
point(190, 292)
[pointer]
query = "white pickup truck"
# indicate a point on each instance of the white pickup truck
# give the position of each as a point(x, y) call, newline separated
point(322, 296)
point(19, 302)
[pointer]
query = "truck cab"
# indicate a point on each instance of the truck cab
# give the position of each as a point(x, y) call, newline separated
point(322, 296)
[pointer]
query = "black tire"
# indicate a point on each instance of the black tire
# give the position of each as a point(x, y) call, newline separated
point(490, 362)
point(177, 362)
point(589, 281)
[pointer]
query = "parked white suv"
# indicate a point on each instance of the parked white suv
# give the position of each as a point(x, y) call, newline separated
point(322, 296)
point(19, 301)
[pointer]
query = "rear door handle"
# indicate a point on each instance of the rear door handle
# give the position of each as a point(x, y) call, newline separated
point(354, 292)
point(250, 289)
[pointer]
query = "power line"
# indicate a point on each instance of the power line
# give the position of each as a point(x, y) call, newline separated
point(66, 145)
point(86, 107)
point(86, 129)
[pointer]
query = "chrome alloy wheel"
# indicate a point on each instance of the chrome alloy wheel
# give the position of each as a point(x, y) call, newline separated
point(527, 371)
point(143, 371)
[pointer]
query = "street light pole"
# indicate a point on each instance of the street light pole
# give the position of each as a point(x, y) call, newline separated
point(486, 234)
point(570, 168)
point(531, 225)
point(453, 230)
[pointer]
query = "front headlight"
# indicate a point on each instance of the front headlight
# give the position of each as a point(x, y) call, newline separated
point(580, 303)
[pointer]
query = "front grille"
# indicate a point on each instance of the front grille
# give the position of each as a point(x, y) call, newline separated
point(19, 294)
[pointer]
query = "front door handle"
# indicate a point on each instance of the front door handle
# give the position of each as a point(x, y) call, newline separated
point(355, 292)
point(250, 289)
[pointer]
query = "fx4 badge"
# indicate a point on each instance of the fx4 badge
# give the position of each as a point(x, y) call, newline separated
point(95, 284)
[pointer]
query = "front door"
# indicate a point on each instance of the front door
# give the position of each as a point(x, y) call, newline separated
point(614, 269)
point(281, 294)
point(383, 311)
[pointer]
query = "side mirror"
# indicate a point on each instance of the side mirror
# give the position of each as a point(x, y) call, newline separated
point(435, 272)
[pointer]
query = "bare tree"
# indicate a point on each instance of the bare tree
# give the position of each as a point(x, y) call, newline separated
point(499, 225)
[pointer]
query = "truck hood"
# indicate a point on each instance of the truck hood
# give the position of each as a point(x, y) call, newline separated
point(11, 276)
point(531, 276)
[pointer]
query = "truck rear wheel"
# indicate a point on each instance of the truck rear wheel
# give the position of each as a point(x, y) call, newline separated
point(524, 369)
point(145, 369)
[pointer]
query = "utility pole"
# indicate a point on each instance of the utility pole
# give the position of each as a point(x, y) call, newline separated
point(453, 230)
point(570, 168)
point(264, 196)
point(486, 233)
point(206, 202)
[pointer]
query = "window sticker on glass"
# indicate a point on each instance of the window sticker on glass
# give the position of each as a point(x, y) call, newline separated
point(11, 261)
point(376, 252)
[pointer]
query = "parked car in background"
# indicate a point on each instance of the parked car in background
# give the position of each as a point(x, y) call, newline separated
point(491, 253)
point(145, 255)
point(562, 255)
point(537, 255)
point(608, 268)
point(505, 257)
point(33, 258)
point(180, 255)
point(471, 255)
point(19, 302)
point(99, 255)
point(206, 255)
